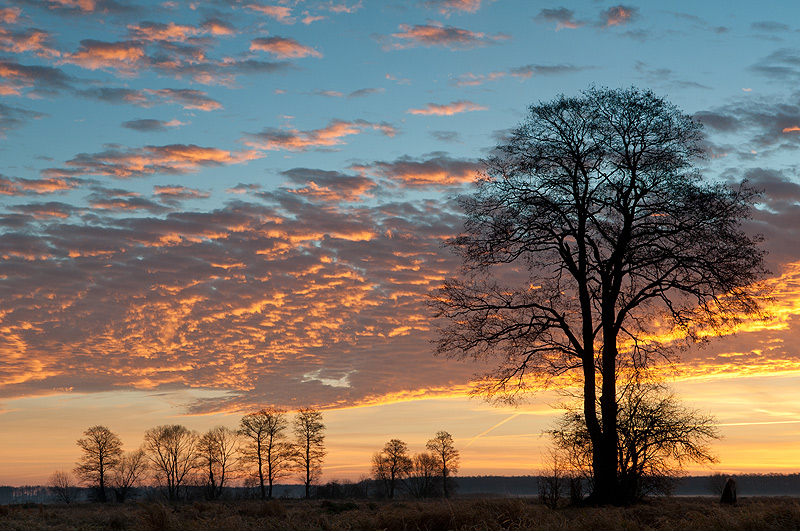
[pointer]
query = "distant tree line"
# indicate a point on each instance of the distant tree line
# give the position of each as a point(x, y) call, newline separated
point(267, 447)
point(178, 460)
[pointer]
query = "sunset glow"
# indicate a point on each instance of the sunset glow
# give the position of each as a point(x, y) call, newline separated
point(213, 207)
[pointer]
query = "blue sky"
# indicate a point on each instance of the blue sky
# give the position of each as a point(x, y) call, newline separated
point(242, 203)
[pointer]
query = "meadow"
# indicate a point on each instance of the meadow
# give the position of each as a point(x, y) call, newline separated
point(762, 513)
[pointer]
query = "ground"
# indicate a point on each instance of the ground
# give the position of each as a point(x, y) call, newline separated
point(779, 513)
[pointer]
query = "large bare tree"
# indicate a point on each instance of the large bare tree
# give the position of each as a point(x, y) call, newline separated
point(171, 450)
point(309, 433)
point(101, 451)
point(266, 448)
point(590, 234)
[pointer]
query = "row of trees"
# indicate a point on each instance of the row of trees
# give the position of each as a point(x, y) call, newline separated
point(422, 474)
point(175, 457)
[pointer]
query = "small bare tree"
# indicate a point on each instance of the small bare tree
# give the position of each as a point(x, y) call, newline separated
point(101, 451)
point(266, 448)
point(217, 459)
point(446, 456)
point(62, 486)
point(391, 464)
point(309, 432)
point(131, 468)
point(171, 450)
point(552, 480)
point(658, 436)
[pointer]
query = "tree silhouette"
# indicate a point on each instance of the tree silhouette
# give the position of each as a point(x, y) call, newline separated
point(216, 456)
point(130, 469)
point(309, 432)
point(266, 447)
point(391, 464)
point(101, 451)
point(658, 436)
point(171, 450)
point(590, 236)
point(447, 457)
point(62, 486)
point(421, 480)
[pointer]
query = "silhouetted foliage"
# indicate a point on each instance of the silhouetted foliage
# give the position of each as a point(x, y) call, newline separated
point(171, 450)
point(266, 447)
point(101, 451)
point(309, 432)
point(597, 198)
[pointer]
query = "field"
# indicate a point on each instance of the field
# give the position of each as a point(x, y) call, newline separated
point(467, 514)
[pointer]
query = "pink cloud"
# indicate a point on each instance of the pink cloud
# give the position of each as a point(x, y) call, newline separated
point(563, 17)
point(283, 47)
point(456, 107)
point(439, 35)
point(342, 7)
point(446, 7)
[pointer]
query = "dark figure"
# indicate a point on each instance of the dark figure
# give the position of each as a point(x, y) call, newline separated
point(729, 493)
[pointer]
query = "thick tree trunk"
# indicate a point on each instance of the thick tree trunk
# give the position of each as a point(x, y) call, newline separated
point(607, 487)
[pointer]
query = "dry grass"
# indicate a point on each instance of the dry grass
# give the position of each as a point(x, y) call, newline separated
point(460, 514)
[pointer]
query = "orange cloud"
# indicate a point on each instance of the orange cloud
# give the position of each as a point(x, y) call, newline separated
point(456, 107)
point(792, 129)
point(283, 48)
point(292, 139)
point(618, 15)
point(124, 56)
point(42, 79)
point(218, 27)
point(9, 15)
point(415, 173)
point(171, 159)
point(280, 13)
point(153, 31)
point(32, 40)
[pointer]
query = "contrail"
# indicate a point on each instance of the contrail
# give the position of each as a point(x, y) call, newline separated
point(752, 423)
point(515, 415)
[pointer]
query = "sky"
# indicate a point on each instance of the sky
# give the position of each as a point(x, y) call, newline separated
point(207, 208)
